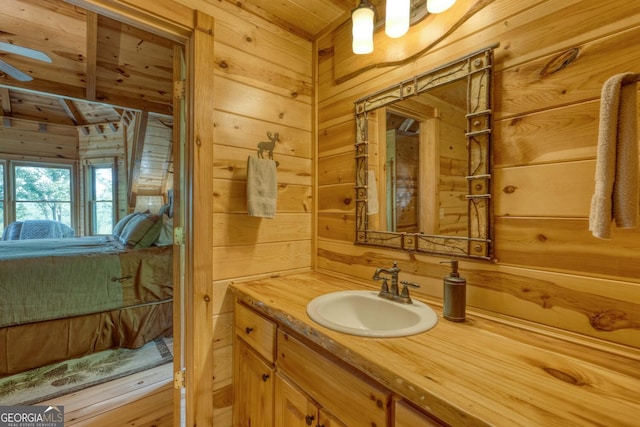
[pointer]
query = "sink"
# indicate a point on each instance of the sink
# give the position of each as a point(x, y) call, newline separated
point(364, 313)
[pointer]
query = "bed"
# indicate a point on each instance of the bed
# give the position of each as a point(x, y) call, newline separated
point(68, 297)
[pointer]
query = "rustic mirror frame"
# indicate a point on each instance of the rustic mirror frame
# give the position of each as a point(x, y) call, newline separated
point(476, 68)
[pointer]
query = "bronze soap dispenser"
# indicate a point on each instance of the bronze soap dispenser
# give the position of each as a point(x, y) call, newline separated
point(454, 295)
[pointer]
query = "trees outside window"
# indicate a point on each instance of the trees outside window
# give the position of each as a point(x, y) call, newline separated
point(43, 192)
point(102, 194)
point(30, 190)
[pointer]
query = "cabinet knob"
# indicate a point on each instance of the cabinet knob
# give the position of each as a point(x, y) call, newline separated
point(309, 419)
point(248, 329)
point(265, 377)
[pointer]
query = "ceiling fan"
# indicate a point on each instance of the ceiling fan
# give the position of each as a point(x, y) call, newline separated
point(22, 51)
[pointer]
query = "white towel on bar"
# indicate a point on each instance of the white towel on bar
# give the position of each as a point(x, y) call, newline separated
point(616, 190)
point(262, 187)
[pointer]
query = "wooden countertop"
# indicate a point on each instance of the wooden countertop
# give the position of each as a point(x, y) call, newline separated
point(478, 372)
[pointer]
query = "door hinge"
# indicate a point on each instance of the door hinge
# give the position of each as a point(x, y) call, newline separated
point(178, 236)
point(178, 89)
point(178, 379)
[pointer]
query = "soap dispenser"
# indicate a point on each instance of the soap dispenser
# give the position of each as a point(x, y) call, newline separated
point(454, 295)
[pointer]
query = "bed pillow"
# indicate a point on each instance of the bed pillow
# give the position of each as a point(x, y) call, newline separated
point(164, 210)
point(44, 229)
point(141, 231)
point(12, 232)
point(120, 225)
point(165, 237)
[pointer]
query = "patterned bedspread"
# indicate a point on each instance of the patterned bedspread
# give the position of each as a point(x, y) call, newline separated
point(14, 249)
point(55, 279)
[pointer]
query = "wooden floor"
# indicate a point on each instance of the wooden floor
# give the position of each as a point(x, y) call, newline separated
point(144, 399)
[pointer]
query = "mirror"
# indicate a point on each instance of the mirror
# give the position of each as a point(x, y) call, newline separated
point(423, 161)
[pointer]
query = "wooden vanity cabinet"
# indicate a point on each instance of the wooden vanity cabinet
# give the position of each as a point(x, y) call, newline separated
point(293, 408)
point(353, 399)
point(253, 369)
point(281, 381)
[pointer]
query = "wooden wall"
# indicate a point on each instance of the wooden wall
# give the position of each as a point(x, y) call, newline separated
point(263, 84)
point(103, 146)
point(553, 59)
point(23, 140)
point(451, 156)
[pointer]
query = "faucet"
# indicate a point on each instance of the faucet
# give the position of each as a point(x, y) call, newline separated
point(393, 271)
point(393, 293)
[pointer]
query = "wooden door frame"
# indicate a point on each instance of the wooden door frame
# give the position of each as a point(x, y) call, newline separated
point(193, 29)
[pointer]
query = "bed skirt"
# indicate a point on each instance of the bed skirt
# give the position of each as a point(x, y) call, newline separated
point(28, 346)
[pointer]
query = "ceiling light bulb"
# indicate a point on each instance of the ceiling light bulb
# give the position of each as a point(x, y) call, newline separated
point(438, 6)
point(362, 18)
point(397, 18)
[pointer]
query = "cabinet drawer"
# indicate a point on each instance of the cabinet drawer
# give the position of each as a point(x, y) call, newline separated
point(257, 331)
point(346, 395)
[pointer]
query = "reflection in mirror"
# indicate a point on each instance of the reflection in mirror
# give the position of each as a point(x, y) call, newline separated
point(422, 161)
point(423, 137)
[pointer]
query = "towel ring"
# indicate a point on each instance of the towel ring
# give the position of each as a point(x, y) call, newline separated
point(268, 146)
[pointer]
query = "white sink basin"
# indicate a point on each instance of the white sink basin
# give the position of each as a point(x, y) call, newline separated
point(364, 313)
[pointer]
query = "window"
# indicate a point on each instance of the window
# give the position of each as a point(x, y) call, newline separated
point(42, 192)
point(101, 197)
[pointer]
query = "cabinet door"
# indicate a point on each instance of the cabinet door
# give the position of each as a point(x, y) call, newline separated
point(351, 398)
point(292, 407)
point(406, 416)
point(253, 389)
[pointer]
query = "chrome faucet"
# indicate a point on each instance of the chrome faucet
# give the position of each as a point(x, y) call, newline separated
point(393, 293)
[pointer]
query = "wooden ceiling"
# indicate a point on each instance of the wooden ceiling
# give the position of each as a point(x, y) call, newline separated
point(93, 57)
point(306, 18)
point(311, 18)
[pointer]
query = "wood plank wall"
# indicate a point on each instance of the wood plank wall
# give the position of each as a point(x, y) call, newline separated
point(263, 84)
point(157, 157)
point(24, 139)
point(553, 59)
point(105, 146)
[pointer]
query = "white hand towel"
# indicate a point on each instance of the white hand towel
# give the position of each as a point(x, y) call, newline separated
point(262, 187)
point(616, 181)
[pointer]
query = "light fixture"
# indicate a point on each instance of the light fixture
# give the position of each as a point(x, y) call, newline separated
point(438, 6)
point(363, 18)
point(397, 18)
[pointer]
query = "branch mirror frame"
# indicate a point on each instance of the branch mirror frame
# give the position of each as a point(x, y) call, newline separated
point(475, 71)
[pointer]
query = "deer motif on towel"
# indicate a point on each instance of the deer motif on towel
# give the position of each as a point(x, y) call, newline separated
point(268, 145)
